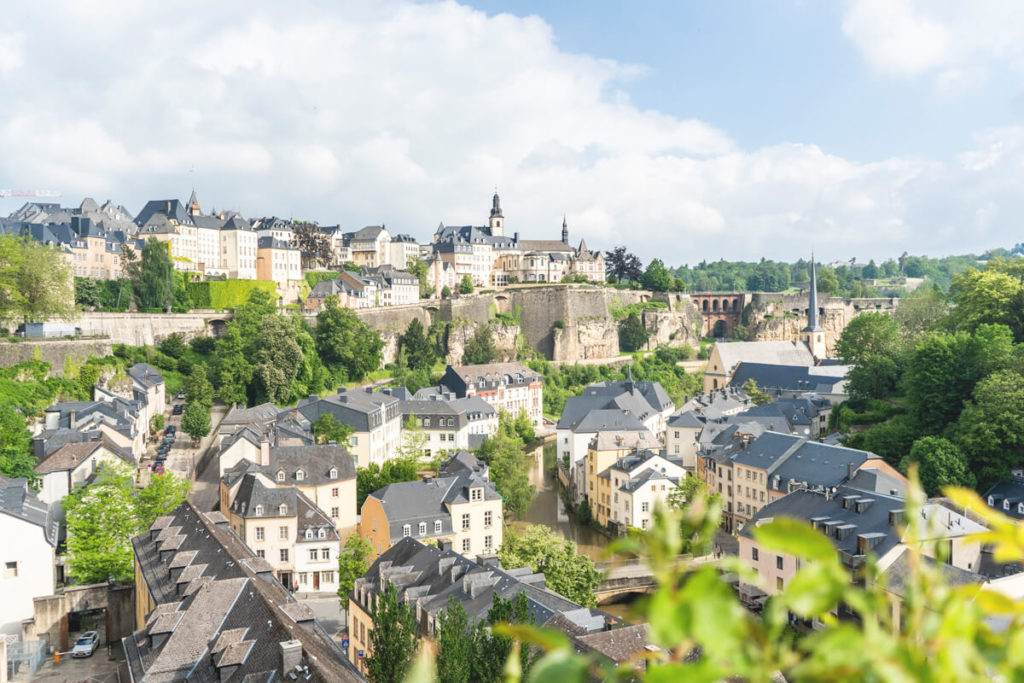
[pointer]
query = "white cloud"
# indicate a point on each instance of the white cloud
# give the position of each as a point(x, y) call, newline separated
point(409, 113)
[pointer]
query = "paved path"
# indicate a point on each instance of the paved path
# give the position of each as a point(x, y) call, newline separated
point(205, 494)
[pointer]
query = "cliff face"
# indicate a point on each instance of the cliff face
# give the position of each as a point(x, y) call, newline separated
point(775, 317)
point(564, 323)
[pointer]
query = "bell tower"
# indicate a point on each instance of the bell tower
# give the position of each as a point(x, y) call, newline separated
point(497, 222)
point(813, 335)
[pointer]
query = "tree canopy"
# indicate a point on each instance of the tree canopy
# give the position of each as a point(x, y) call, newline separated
point(565, 571)
point(36, 281)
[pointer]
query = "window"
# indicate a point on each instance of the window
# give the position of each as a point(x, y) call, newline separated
point(322, 533)
point(437, 526)
point(333, 474)
point(10, 570)
point(753, 554)
point(309, 533)
point(423, 528)
point(283, 510)
point(300, 475)
point(334, 492)
point(645, 507)
point(303, 578)
point(476, 495)
point(778, 561)
point(259, 533)
point(406, 531)
point(779, 583)
point(465, 522)
point(282, 533)
point(284, 554)
point(261, 553)
point(259, 509)
point(334, 513)
point(313, 554)
point(487, 519)
point(353, 441)
point(488, 542)
point(280, 475)
point(325, 553)
point(327, 577)
point(465, 545)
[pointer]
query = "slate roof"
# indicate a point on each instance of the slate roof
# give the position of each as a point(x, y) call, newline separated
point(315, 461)
point(634, 484)
point(71, 455)
point(271, 242)
point(19, 501)
point(506, 374)
point(830, 515)
point(1012, 491)
point(556, 246)
point(771, 377)
point(895, 577)
point(614, 420)
point(363, 410)
point(788, 458)
point(146, 375)
point(775, 352)
point(687, 420)
point(213, 596)
point(428, 576)
point(257, 415)
point(156, 209)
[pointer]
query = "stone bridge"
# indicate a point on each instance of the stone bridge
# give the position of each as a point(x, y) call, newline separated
point(634, 576)
point(720, 312)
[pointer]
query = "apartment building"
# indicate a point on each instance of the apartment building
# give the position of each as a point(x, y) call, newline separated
point(370, 247)
point(280, 262)
point(463, 508)
point(627, 491)
point(508, 387)
point(375, 416)
point(28, 553)
point(449, 423)
point(167, 220)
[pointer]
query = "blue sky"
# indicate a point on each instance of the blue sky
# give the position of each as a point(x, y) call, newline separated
point(686, 130)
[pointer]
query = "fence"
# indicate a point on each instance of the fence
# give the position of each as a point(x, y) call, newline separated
point(24, 657)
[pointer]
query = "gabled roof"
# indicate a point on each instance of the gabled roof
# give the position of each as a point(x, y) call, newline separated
point(1012, 491)
point(791, 377)
point(163, 208)
point(146, 375)
point(774, 352)
point(412, 502)
point(71, 455)
point(19, 501)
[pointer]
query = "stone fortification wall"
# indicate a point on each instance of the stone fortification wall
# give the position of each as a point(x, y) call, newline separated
point(141, 329)
point(53, 351)
point(777, 317)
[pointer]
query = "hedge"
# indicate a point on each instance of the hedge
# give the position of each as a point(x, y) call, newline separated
point(222, 294)
point(315, 276)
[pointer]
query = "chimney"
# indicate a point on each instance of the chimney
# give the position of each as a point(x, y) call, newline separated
point(168, 206)
point(444, 544)
point(71, 419)
point(264, 452)
point(291, 655)
point(849, 471)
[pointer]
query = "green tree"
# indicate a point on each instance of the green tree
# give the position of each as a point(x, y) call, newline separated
point(480, 349)
point(392, 640)
point(347, 345)
point(233, 370)
point(457, 650)
point(990, 429)
point(492, 650)
point(524, 427)
point(940, 464)
point(990, 296)
point(828, 282)
point(633, 335)
point(875, 377)
point(45, 283)
point(869, 335)
point(276, 362)
point(353, 562)
point(155, 284)
point(195, 420)
point(446, 292)
point(466, 285)
point(197, 388)
point(656, 278)
point(920, 312)
point(160, 497)
point(101, 520)
point(622, 264)
point(156, 423)
point(756, 395)
point(16, 459)
point(173, 345)
point(374, 476)
point(327, 428)
point(565, 571)
point(420, 352)
point(418, 268)
point(12, 255)
point(414, 440)
point(504, 454)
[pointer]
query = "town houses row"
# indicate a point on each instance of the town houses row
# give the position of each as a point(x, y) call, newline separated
point(224, 244)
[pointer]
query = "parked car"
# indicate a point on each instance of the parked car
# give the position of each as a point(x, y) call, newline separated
point(162, 452)
point(178, 409)
point(86, 644)
point(180, 396)
point(158, 468)
point(171, 429)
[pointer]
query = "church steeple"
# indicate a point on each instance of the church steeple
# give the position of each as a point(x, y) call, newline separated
point(497, 222)
point(193, 205)
point(565, 230)
point(813, 335)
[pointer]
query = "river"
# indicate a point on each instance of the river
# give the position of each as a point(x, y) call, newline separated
point(547, 509)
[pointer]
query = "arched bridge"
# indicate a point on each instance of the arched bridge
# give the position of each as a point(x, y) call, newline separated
point(720, 311)
point(634, 576)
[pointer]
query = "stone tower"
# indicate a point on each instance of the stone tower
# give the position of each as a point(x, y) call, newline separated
point(497, 220)
point(193, 205)
point(813, 335)
point(565, 231)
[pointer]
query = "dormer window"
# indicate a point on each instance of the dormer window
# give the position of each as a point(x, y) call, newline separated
point(283, 509)
point(259, 509)
point(476, 494)
point(333, 474)
point(321, 534)
point(437, 526)
point(991, 501)
point(309, 533)
point(280, 475)
point(300, 475)
point(423, 528)
point(1006, 505)
point(406, 531)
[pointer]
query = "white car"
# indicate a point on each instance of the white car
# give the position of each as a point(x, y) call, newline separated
point(86, 644)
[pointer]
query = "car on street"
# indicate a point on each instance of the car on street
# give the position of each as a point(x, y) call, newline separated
point(180, 396)
point(158, 468)
point(162, 452)
point(86, 644)
point(171, 429)
point(178, 409)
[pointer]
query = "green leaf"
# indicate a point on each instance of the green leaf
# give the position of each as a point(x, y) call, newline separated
point(796, 538)
point(560, 666)
point(815, 589)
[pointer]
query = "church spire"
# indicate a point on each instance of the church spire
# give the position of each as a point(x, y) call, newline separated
point(497, 221)
point(496, 204)
point(812, 310)
point(565, 230)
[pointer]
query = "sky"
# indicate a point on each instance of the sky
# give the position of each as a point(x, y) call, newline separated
point(687, 131)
